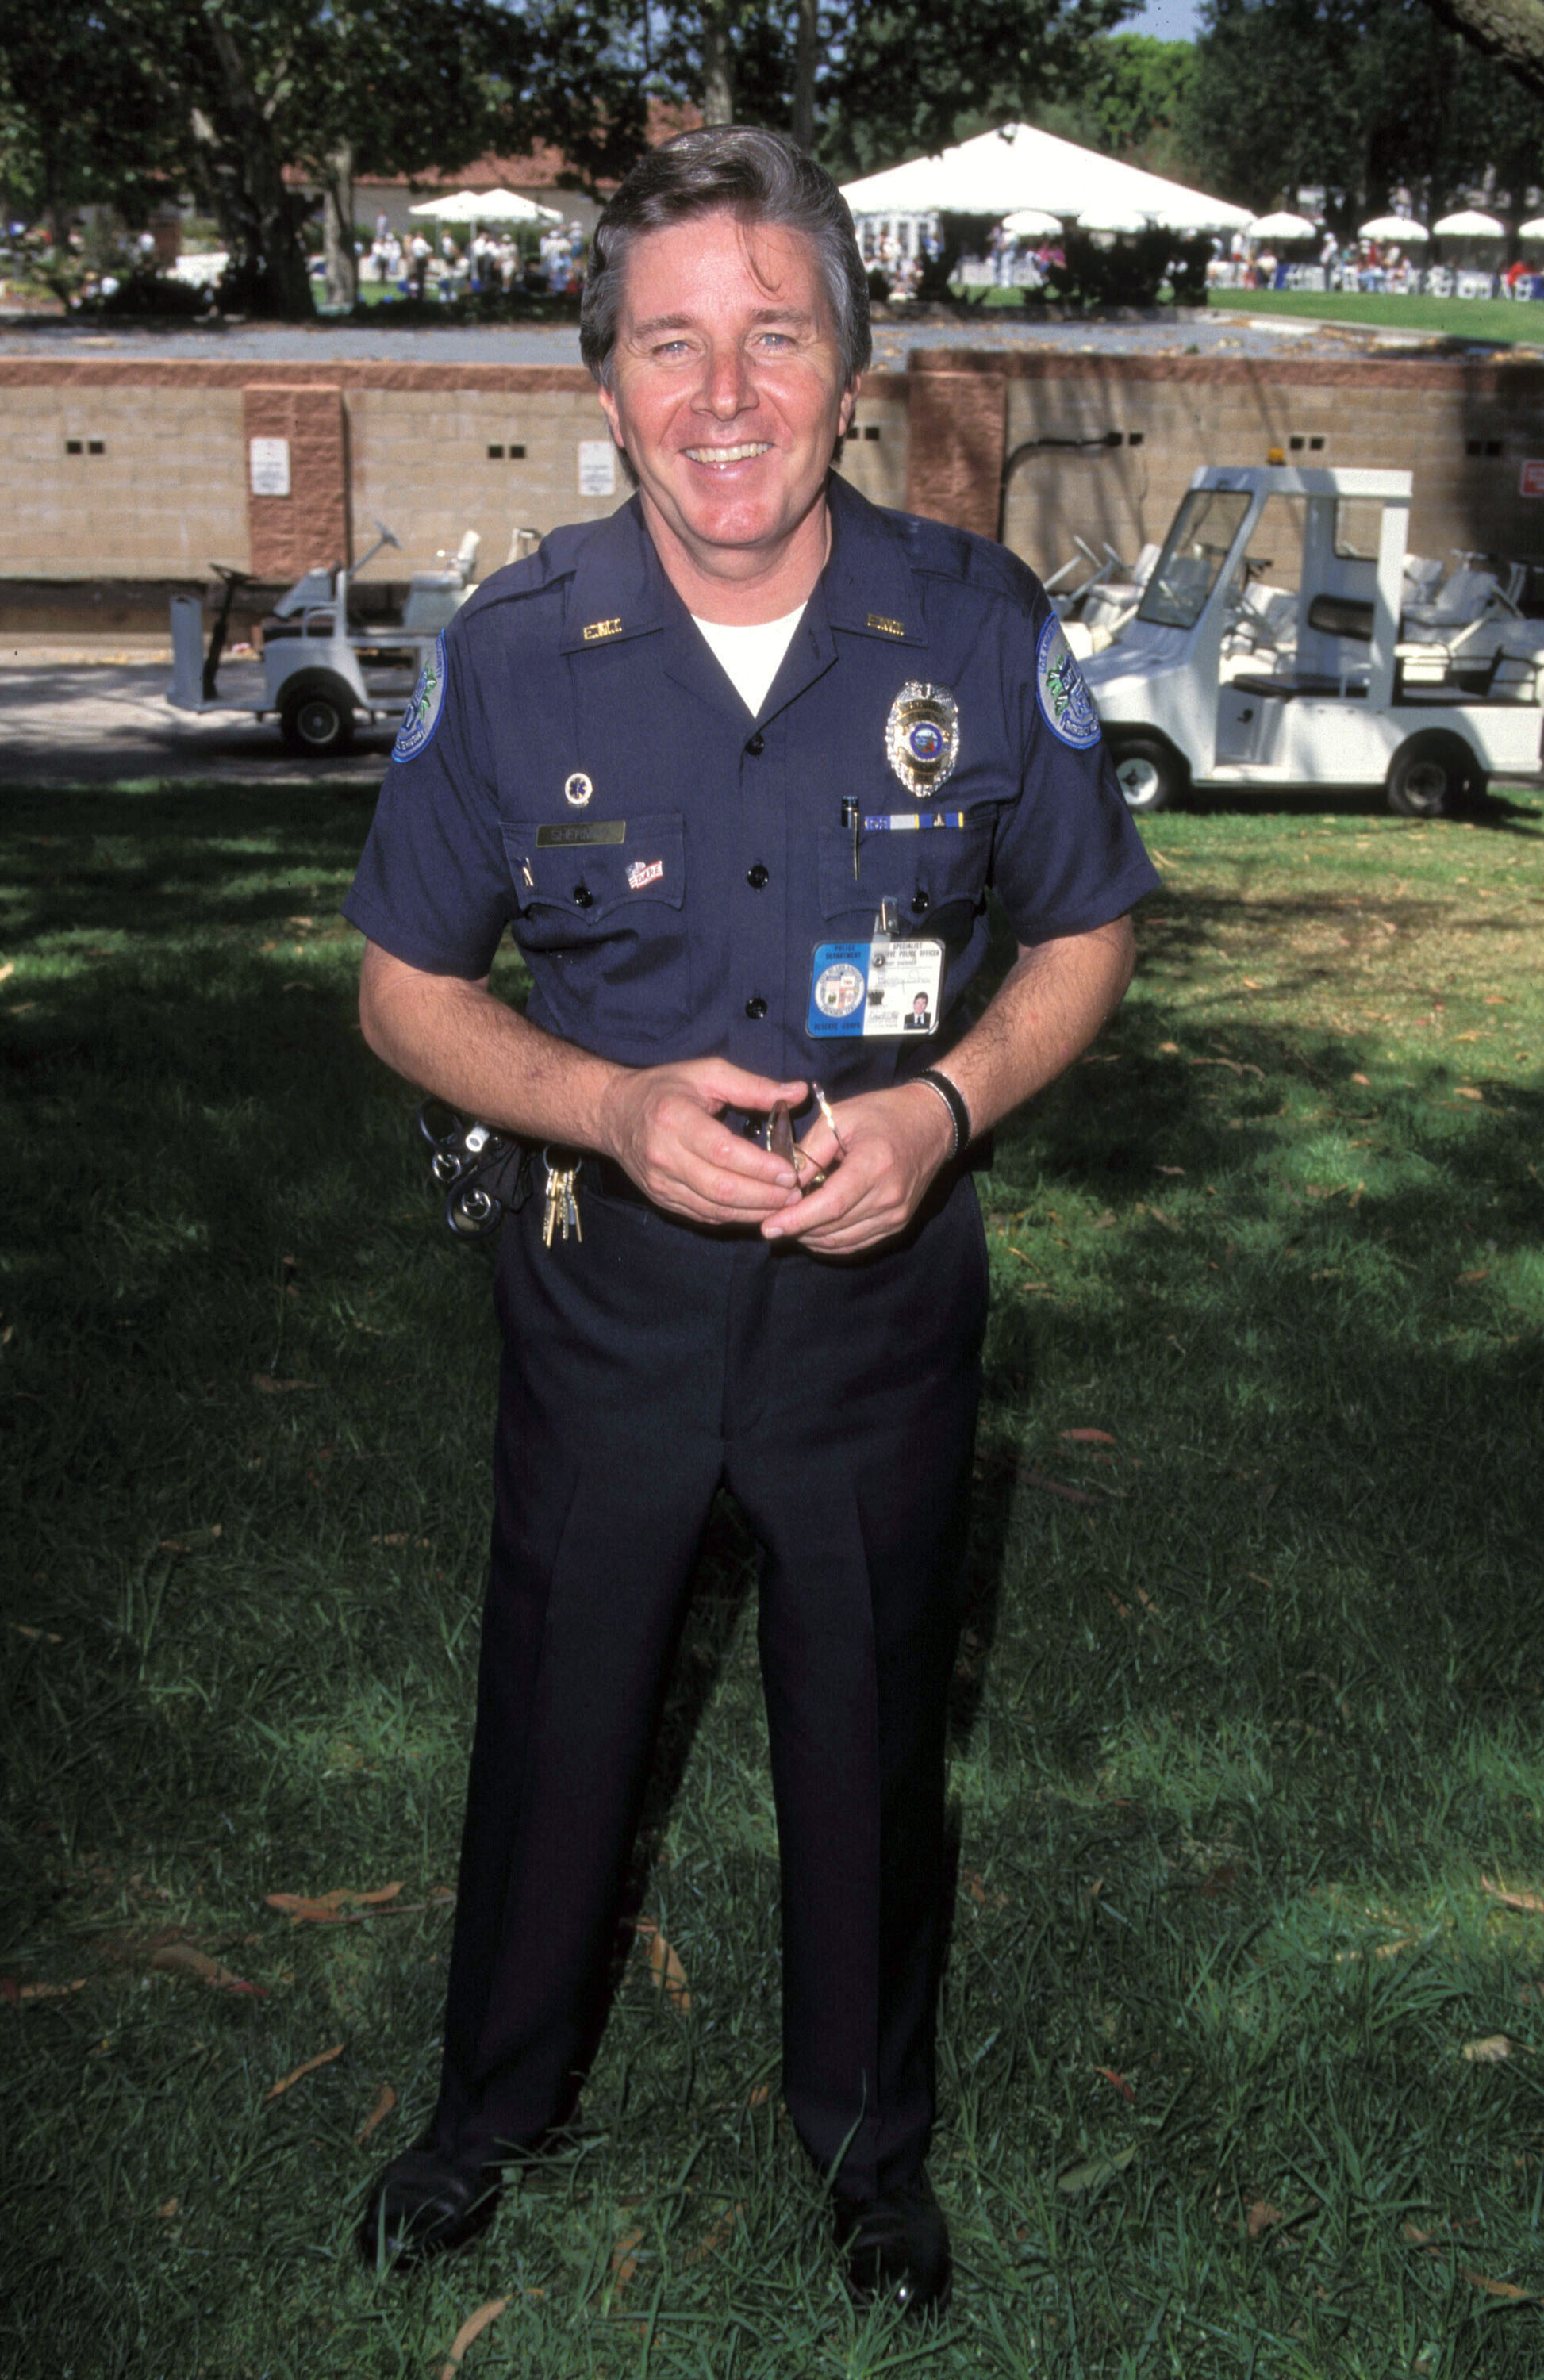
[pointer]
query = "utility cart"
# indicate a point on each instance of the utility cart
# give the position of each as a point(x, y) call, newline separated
point(321, 674)
point(1209, 685)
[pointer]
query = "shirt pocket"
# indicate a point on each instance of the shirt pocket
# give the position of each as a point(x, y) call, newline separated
point(603, 926)
point(936, 877)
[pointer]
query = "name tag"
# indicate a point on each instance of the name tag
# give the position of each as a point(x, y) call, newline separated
point(583, 831)
point(874, 990)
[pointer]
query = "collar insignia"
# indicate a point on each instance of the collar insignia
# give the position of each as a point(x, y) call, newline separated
point(886, 628)
point(596, 629)
point(923, 737)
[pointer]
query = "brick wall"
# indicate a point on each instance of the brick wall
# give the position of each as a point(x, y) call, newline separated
point(409, 443)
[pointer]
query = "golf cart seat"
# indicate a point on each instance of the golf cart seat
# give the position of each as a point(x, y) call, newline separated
point(1283, 684)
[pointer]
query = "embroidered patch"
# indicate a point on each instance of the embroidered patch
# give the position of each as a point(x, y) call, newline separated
point(427, 700)
point(1066, 700)
point(644, 871)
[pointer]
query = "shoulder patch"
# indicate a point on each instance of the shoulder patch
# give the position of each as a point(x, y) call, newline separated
point(424, 705)
point(1063, 698)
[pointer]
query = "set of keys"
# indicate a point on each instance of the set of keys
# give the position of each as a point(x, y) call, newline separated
point(562, 1206)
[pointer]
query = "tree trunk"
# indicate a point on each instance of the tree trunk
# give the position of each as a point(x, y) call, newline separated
point(1510, 31)
point(283, 280)
point(718, 88)
point(337, 227)
point(806, 52)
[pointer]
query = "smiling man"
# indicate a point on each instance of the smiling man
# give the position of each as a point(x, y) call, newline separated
point(736, 768)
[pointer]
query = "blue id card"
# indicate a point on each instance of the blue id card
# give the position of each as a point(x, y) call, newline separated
point(874, 990)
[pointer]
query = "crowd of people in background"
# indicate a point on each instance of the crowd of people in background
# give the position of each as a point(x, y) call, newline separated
point(491, 259)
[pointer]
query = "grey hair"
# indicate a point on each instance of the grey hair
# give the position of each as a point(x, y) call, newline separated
point(741, 170)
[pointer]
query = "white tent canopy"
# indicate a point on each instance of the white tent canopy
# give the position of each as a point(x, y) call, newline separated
point(1469, 224)
point(999, 172)
point(1403, 228)
point(487, 206)
point(1532, 229)
point(1282, 226)
point(1032, 223)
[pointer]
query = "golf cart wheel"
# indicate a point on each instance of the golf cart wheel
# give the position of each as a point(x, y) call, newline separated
point(1151, 771)
point(316, 719)
point(1435, 775)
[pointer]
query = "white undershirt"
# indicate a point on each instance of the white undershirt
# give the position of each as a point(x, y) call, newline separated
point(750, 658)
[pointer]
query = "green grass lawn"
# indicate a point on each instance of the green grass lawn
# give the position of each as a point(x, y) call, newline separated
point(1457, 318)
point(1243, 2047)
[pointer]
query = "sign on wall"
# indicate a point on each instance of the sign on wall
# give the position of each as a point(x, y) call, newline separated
point(597, 467)
point(270, 466)
point(1532, 483)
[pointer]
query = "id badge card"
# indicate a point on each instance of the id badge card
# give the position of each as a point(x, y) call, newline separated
point(879, 990)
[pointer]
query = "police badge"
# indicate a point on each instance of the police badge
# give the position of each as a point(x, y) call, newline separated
point(922, 736)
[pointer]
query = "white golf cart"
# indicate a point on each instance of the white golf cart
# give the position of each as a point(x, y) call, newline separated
point(319, 673)
point(1198, 689)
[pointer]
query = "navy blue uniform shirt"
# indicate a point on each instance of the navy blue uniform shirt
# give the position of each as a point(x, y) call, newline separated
point(576, 767)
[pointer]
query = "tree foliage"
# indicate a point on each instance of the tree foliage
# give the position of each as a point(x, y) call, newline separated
point(1361, 97)
point(119, 101)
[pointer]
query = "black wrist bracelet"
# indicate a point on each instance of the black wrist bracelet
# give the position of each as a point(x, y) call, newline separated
point(954, 1100)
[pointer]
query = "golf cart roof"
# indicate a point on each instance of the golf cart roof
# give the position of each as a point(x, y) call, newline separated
point(1384, 487)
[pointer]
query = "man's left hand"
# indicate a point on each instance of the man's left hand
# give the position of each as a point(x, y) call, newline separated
point(892, 1142)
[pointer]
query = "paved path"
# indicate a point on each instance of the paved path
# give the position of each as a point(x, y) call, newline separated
point(1190, 332)
point(74, 725)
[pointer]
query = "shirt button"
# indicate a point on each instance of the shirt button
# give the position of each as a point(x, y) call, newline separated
point(756, 877)
point(583, 897)
point(755, 1008)
point(918, 901)
point(757, 745)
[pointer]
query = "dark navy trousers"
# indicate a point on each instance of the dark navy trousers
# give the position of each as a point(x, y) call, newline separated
point(644, 1366)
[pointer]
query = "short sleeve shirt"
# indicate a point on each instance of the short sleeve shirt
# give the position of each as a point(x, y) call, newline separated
point(577, 770)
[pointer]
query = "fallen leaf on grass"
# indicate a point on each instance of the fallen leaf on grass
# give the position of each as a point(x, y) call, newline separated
point(272, 1388)
point(401, 1538)
point(172, 2207)
point(719, 2237)
point(1249, 984)
point(1364, 1080)
point(36, 1636)
point(1528, 1902)
point(1492, 2049)
point(760, 2096)
point(386, 2102)
point(327, 1908)
point(13, 1992)
point(1094, 2170)
point(1260, 2216)
point(1119, 2082)
point(182, 1958)
point(1466, 1091)
point(976, 1885)
point(1054, 1487)
point(664, 1963)
point(196, 1541)
point(288, 2081)
point(1472, 1280)
point(1088, 1437)
point(471, 2330)
point(1498, 2289)
point(623, 2258)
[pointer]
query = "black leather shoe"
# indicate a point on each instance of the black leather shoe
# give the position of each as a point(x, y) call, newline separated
point(424, 2207)
point(897, 2249)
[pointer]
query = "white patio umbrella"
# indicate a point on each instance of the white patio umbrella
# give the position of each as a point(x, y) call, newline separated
point(1281, 225)
point(1469, 224)
point(1032, 223)
point(487, 206)
point(1000, 172)
point(1403, 228)
point(1533, 229)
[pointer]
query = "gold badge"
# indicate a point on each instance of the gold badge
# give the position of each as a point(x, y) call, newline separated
point(596, 629)
point(886, 628)
point(922, 736)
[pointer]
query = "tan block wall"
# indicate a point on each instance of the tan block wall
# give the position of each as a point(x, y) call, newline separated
point(421, 464)
point(169, 494)
point(165, 497)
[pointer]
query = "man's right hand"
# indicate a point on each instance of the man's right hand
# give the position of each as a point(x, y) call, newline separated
point(662, 1124)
